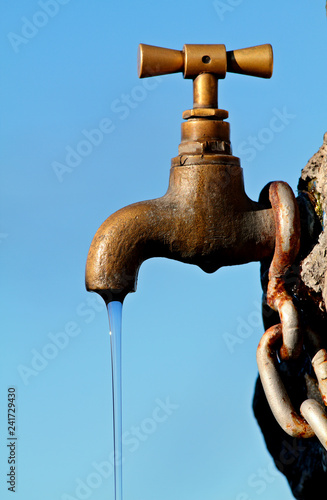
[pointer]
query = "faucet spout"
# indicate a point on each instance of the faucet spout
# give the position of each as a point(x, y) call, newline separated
point(125, 240)
point(205, 218)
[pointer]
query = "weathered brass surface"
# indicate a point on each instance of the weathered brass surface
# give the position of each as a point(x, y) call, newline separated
point(205, 218)
point(201, 136)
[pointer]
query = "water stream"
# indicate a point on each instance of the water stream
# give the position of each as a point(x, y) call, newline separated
point(115, 318)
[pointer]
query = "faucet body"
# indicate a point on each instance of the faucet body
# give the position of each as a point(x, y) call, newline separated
point(205, 218)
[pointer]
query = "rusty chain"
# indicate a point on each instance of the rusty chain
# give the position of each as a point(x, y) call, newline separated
point(287, 340)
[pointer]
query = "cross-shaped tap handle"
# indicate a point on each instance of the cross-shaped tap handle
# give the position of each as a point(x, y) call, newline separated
point(205, 64)
point(196, 59)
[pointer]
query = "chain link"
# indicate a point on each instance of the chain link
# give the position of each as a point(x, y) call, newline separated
point(315, 415)
point(287, 340)
point(287, 246)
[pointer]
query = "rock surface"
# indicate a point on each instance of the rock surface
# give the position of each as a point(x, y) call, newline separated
point(314, 180)
point(302, 461)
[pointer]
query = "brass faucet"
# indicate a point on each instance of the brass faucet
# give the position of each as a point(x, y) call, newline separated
point(205, 218)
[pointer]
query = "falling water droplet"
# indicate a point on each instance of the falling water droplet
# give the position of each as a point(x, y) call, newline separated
point(115, 319)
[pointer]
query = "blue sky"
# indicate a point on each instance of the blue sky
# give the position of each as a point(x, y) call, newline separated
point(67, 67)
